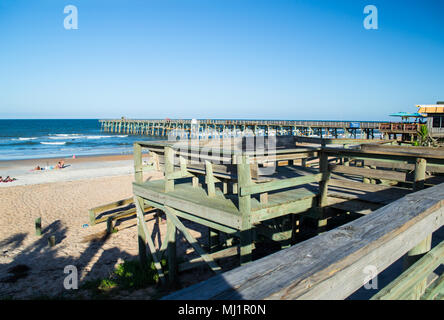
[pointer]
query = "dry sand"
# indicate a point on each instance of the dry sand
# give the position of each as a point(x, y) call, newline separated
point(75, 169)
point(63, 207)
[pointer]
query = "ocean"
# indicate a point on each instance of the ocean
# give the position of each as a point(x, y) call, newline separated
point(41, 138)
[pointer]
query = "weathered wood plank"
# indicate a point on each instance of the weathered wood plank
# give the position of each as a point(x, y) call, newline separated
point(403, 287)
point(354, 205)
point(279, 184)
point(138, 170)
point(409, 150)
point(113, 205)
point(369, 173)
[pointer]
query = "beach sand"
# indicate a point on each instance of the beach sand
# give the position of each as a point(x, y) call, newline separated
point(62, 199)
point(75, 169)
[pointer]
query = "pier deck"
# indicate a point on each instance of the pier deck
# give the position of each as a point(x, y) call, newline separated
point(210, 128)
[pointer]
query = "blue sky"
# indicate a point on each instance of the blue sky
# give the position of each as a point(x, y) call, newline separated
point(220, 59)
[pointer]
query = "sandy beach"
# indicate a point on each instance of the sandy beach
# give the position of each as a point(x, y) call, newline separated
point(75, 169)
point(62, 199)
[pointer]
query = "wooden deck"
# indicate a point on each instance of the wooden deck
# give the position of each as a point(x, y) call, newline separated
point(232, 191)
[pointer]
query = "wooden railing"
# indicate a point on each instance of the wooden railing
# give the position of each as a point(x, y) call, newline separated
point(399, 127)
point(285, 123)
point(331, 265)
point(418, 166)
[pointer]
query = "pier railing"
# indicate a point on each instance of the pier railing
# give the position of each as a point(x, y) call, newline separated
point(161, 127)
point(333, 264)
point(305, 123)
point(395, 127)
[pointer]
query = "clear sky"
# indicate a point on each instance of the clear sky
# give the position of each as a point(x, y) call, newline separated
point(275, 59)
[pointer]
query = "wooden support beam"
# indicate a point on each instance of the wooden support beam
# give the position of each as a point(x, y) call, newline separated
point(420, 172)
point(169, 168)
point(38, 226)
point(209, 179)
point(171, 240)
point(138, 171)
point(170, 212)
point(145, 238)
point(246, 237)
point(323, 190)
point(109, 225)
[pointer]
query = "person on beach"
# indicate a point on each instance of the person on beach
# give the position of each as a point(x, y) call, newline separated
point(60, 164)
point(8, 179)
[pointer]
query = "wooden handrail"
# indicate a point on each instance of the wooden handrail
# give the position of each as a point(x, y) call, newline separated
point(279, 184)
point(330, 265)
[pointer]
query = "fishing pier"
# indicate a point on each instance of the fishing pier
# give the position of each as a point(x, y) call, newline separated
point(230, 128)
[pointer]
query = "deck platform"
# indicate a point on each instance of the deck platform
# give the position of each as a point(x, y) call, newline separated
point(232, 191)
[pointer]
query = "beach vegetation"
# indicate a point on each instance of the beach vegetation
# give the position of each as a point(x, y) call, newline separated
point(129, 275)
point(424, 138)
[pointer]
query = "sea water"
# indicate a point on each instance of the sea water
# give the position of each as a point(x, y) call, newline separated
point(41, 138)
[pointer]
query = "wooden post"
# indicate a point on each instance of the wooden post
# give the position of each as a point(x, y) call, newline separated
point(234, 187)
point(295, 222)
point(213, 240)
point(373, 181)
point(92, 217)
point(38, 226)
point(209, 179)
point(138, 173)
point(143, 258)
point(51, 241)
point(426, 245)
point(414, 255)
point(169, 168)
point(195, 181)
point(109, 225)
point(420, 171)
point(323, 190)
point(246, 238)
point(224, 187)
point(365, 179)
point(263, 198)
point(172, 263)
